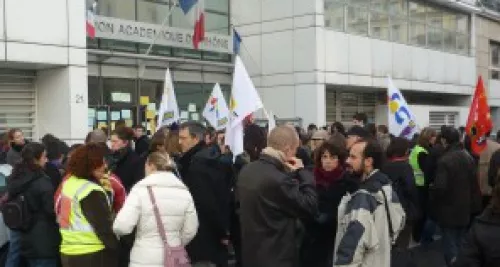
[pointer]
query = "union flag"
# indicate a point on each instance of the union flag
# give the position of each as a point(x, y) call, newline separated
point(479, 123)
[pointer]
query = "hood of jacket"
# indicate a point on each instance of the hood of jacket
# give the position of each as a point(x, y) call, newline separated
point(375, 182)
point(20, 182)
point(163, 179)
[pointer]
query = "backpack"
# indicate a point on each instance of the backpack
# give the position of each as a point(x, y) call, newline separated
point(16, 212)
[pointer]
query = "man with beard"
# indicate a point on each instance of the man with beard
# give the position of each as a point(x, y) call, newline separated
point(371, 218)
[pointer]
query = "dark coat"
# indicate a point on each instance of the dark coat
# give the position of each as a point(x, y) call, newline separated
point(54, 174)
point(43, 239)
point(481, 247)
point(319, 241)
point(205, 174)
point(142, 145)
point(403, 182)
point(454, 196)
point(128, 166)
point(272, 201)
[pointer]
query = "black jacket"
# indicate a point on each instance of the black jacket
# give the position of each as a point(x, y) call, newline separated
point(43, 239)
point(271, 202)
point(128, 166)
point(454, 196)
point(481, 247)
point(207, 176)
point(403, 182)
point(142, 145)
point(319, 241)
point(54, 174)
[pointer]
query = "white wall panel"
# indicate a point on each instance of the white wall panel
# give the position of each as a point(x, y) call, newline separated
point(336, 52)
point(246, 11)
point(381, 52)
point(277, 51)
point(451, 68)
point(277, 25)
point(78, 56)
point(44, 22)
point(76, 27)
point(402, 61)
point(35, 53)
point(273, 10)
point(436, 66)
point(304, 58)
point(360, 59)
point(420, 64)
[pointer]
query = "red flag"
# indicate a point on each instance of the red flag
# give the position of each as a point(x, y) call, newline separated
point(199, 25)
point(479, 122)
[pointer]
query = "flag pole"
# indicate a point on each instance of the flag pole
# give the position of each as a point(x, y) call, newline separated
point(142, 66)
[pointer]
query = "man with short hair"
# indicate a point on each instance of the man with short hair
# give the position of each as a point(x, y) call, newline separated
point(356, 134)
point(206, 176)
point(141, 140)
point(274, 192)
point(370, 219)
point(360, 119)
point(454, 195)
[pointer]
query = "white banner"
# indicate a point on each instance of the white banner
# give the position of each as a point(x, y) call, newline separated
point(139, 32)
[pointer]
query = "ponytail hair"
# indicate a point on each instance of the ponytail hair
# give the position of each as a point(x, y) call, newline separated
point(161, 161)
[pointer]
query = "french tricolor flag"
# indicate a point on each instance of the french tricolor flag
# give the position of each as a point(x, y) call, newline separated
point(197, 9)
point(90, 24)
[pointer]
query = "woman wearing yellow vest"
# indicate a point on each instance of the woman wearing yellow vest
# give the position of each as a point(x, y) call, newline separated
point(419, 160)
point(84, 212)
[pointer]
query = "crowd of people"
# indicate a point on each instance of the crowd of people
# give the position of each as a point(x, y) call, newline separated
point(318, 197)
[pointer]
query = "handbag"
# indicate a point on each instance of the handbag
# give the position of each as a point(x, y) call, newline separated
point(172, 256)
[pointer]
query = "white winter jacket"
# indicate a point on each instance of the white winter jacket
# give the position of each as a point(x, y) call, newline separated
point(177, 211)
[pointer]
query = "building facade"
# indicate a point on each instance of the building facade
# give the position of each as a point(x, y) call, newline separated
point(325, 60)
point(320, 60)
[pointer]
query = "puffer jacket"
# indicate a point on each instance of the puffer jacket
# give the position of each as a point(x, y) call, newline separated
point(177, 211)
point(363, 236)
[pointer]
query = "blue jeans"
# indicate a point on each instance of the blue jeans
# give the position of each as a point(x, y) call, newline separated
point(14, 255)
point(452, 239)
point(43, 263)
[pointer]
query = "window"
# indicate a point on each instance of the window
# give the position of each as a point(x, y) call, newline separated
point(334, 15)
point(94, 91)
point(438, 119)
point(404, 21)
point(357, 20)
point(417, 33)
point(217, 5)
point(217, 23)
point(152, 11)
point(123, 9)
point(120, 91)
point(495, 60)
point(379, 22)
point(399, 31)
point(435, 37)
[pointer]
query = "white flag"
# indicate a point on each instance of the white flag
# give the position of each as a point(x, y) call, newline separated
point(169, 110)
point(244, 101)
point(244, 97)
point(402, 122)
point(216, 111)
point(271, 124)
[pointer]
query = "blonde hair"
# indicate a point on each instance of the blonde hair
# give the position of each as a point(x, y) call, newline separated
point(424, 139)
point(161, 161)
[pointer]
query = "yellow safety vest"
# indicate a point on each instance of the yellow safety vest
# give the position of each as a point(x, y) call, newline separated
point(417, 170)
point(78, 236)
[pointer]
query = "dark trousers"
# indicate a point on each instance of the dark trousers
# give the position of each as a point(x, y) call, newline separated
point(452, 239)
point(103, 258)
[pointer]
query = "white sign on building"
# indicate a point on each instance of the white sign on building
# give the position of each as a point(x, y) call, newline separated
point(133, 31)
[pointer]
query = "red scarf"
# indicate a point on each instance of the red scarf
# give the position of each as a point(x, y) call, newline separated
point(326, 178)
